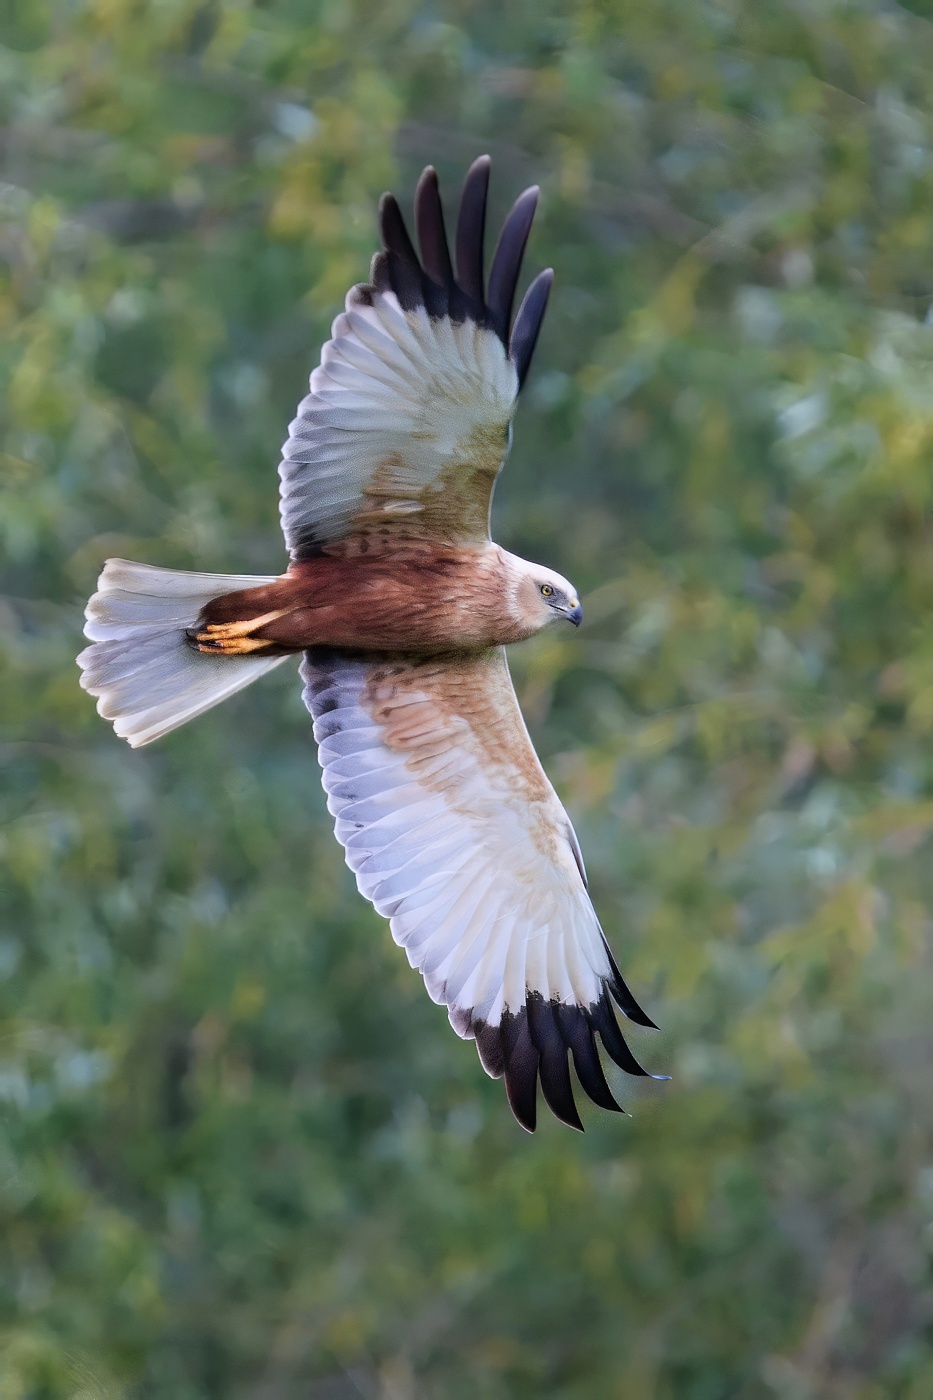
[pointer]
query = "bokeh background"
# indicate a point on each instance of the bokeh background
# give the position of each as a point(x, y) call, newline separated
point(242, 1156)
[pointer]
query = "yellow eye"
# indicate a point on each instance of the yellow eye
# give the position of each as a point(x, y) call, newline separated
point(546, 590)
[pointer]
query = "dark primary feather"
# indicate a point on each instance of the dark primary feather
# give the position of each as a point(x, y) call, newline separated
point(622, 994)
point(534, 1043)
point(471, 231)
point(527, 325)
point(488, 1041)
point(602, 1020)
point(431, 281)
point(432, 235)
point(521, 1068)
point(578, 1038)
point(507, 262)
point(554, 1069)
point(405, 275)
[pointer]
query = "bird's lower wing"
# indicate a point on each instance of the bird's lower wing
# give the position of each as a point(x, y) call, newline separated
point(457, 837)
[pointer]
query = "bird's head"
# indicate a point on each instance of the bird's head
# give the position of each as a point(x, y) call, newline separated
point(542, 596)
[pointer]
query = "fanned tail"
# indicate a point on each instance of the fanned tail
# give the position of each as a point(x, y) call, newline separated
point(147, 676)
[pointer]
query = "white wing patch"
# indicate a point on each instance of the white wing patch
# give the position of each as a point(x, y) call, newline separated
point(403, 407)
point(457, 837)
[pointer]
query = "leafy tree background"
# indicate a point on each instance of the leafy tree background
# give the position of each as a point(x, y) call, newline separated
point(241, 1153)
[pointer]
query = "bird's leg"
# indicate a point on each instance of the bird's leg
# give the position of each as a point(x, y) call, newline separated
point(233, 638)
point(223, 631)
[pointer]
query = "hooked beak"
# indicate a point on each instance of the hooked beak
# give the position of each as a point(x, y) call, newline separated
point(575, 615)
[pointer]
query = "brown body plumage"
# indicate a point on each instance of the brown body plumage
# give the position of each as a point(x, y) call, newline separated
point(412, 597)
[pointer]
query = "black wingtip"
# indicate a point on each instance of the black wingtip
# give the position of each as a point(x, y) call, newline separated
point(432, 234)
point(471, 231)
point(521, 1069)
point(534, 1042)
point(404, 268)
point(623, 997)
point(395, 237)
point(457, 287)
point(489, 1047)
point(578, 1037)
point(554, 1070)
point(477, 175)
point(507, 261)
point(629, 1006)
point(528, 323)
point(604, 1021)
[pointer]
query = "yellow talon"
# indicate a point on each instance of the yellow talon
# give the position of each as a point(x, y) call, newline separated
point(223, 631)
point(230, 646)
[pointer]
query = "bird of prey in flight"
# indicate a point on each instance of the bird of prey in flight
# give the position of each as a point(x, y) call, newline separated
point(402, 606)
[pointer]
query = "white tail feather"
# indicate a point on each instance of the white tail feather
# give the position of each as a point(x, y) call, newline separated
point(148, 677)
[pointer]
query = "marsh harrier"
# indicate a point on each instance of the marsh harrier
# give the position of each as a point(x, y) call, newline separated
point(402, 606)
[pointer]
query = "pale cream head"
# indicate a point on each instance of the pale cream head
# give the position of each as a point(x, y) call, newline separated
point(540, 596)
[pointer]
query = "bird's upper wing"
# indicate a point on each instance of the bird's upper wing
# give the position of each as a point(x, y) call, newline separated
point(407, 423)
point(457, 837)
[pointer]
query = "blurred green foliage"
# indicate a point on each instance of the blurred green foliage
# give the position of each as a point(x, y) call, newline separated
point(242, 1156)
